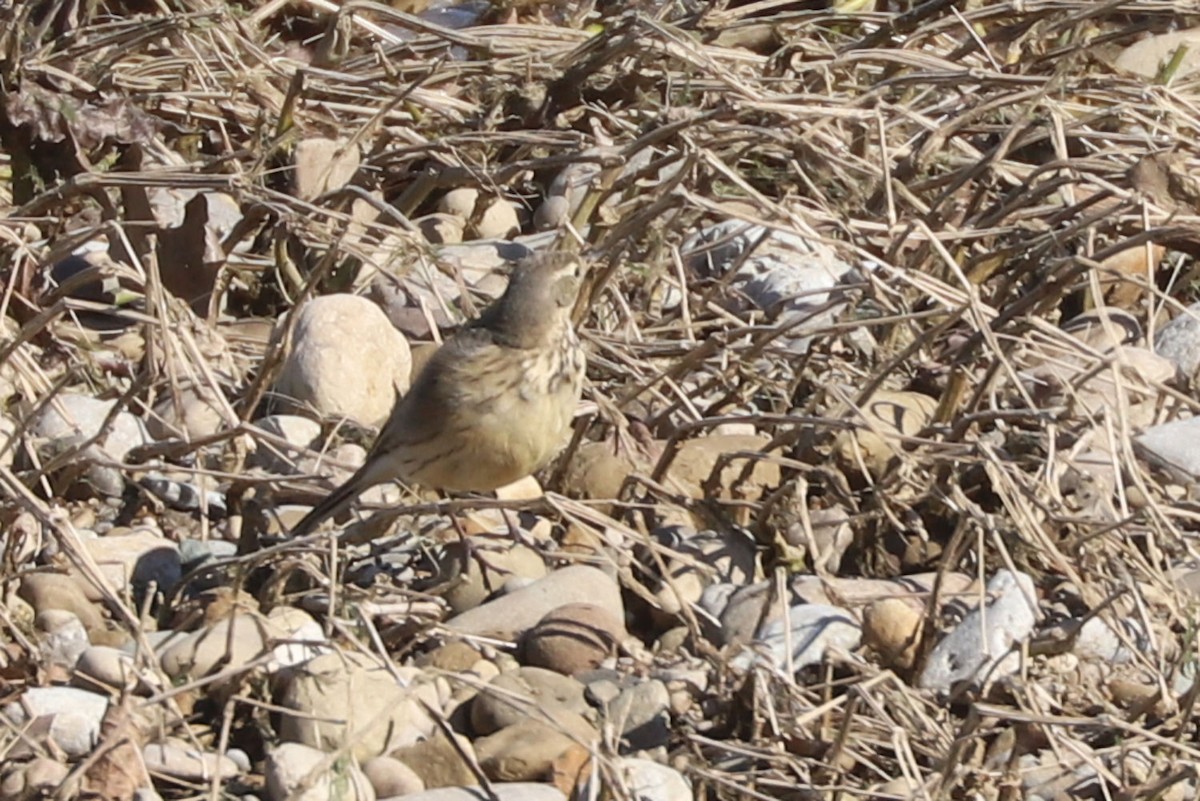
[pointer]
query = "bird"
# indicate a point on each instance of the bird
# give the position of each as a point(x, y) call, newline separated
point(494, 404)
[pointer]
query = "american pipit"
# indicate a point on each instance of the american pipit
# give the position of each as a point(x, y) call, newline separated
point(494, 404)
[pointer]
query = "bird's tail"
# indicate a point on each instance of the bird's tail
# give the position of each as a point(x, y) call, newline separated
point(334, 503)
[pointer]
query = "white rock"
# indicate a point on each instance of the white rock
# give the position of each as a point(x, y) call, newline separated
point(1179, 340)
point(814, 629)
point(193, 414)
point(346, 360)
point(980, 648)
point(75, 716)
point(71, 420)
point(65, 637)
point(460, 202)
point(323, 165)
point(499, 221)
point(302, 637)
point(790, 277)
point(102, 667)
point(349, 698)
point(1175, 444)
point(296, 772)
point(647, 780)
point(179, 760)
point(300, 433)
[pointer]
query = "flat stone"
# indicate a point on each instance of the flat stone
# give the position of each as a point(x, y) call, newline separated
point(509, 616)
point(814, 629)
point(296, 772)
point(179, 760)
point(74, 716)
point(1175, 444)
point(981, 647)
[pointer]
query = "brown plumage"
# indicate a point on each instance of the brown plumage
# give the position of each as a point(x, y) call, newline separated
point(494, 404)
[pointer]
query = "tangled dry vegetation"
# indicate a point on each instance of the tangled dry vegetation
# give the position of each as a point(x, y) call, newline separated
point(1006, 197)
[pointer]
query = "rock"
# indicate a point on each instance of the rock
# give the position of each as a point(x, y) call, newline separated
point(74, 716)
point(598, 470)
point(45, 591)
point(640, 714)
point(102, 668)
point(525, 751)
point(500, 791)
point(65, 638)
point(564, 195)
point(345, 360)
point(1146, 57)
point(573, 638)
point(436, 762)
point(492, 561)
point(698, 559)
point(322, 166)
point(1175, 445)
point(441, 229)
point(1179, 341)
point(300, 434)
point(1049, 775)
point(971, 652)
point(889, 416)
point(511, 697)
point(509, 616)
point(391, 777)
point(499, 218)
point(499, 221)
point(892, 628)
point(136, 561)
point(792, 278)
point(296, 772)
point(1098, 641)
point(300, 637)
point(692, 469)
point(232, 642)
point(179, 760)
point(71, 421)
point(814, 629)
point(647, 780)
point(825, 540)
point(193, 413)
point(341, 698)
point(38, 778)
point(459, 202)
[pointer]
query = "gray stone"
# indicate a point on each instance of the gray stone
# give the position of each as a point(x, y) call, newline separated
point(65, 637)
point(1175, 444)
point(980, 649)
point(814, 628)
point(296, 772)
point(647, 780)
point(509, 616)
point(1179, 340)
point(791, 277)
point(178, 760)
point(640, 714)
point(71, 421)
point(74, 716)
